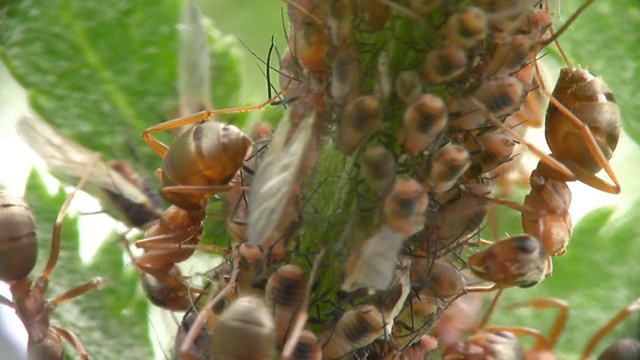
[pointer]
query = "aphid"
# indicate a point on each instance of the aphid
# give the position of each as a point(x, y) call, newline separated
point(244, 331)
point(455, 221)
point(341, 16)
point(120, 191)
point(412, 321)
point(423, 7)
point(460, 318)
point(345, 75)
point(18, 252)
point(466, 27)
point(405, 206)
point(356, 328)
point(285, 294)
point(274, 184)
point(373, 265)
point(378, 169)
point(486, 345)
point(516, 261)
point(446, 167)
point(444, 64)
point(376, 14)
point(490, 150)
point(422, 123)
point(408, 86)
point(417, 350)
point(510, 56)
point(308, 38)
point(500, 95)
point(360, 120)
point(437, 279)
point(307, 347)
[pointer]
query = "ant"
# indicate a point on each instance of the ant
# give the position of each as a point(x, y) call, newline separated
point(18, 252)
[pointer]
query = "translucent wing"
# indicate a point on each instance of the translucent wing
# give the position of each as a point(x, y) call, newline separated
point(120, 191)
point(275, 179)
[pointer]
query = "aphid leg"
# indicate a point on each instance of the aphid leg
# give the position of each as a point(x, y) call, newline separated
point(560, 322)
point(207, 312)
point(161, 149)
point(553, 163)
point(621, 316)
point(57, 227)
point(73, 340)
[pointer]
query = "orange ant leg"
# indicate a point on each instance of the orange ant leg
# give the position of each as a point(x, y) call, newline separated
point(552, 162)
point(560, 322)
point(161, 149)
point(73, 340)
point(622, 315)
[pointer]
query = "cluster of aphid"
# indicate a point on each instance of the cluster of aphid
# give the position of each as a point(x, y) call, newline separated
point(353, 224)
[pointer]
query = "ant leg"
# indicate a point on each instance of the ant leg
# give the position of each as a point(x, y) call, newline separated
point(540, 341)
point(7, 302)
point(561, 320)
point(95, 283)
point(628, 310)
point(491, 309)
point(553, 163)
point(57, 227)
point(161, 149)
point(595, 151)
point(73, 340)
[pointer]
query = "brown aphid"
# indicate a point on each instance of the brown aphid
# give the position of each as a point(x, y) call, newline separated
point(443, 64)
point(408, 86)
point(436, 279)
point(496, 149)
point(446, 167)
point(500, 95)
point(355, 329)
point(308, 39)
point(423, 7)
point(341, 17)
point(422, 123)
point(455, 221)
point(486, 345)
point(18, 244)
point(516, 261)
point(246, 321)
point(345, 75)
point(466, 27)
point(584, 132)
point(378, 169)
point(412, 320)
point(510, 55)
point(307, 347)
point(284, 295)
point(376, 14)
point(405, 206)
point(373, 265)
point(360, 120)
point(460, 318)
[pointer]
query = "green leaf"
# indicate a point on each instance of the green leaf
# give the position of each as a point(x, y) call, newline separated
point(109, 321)
point(102, 72)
